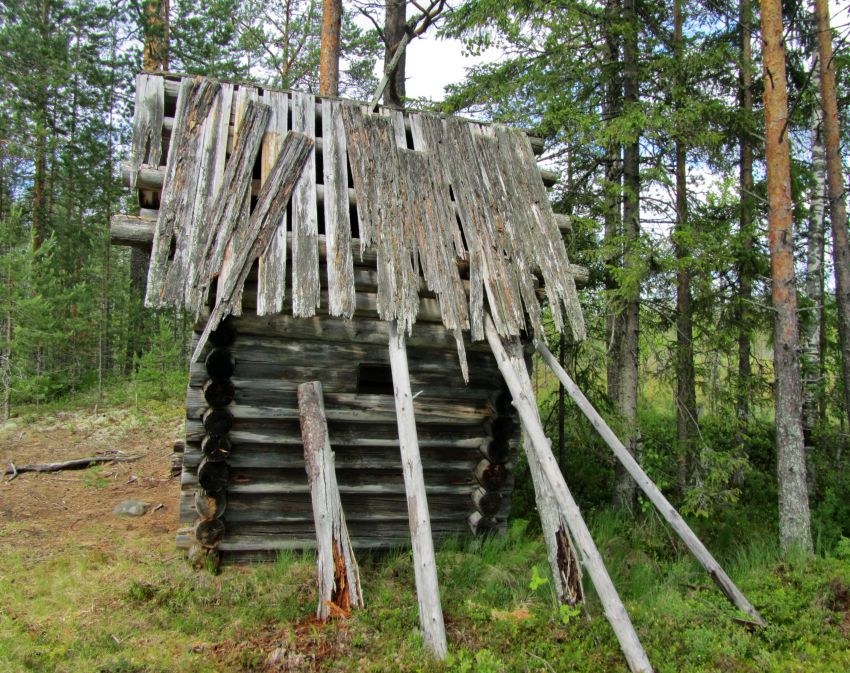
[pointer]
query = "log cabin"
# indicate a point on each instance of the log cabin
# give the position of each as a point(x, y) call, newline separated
point(300, 232)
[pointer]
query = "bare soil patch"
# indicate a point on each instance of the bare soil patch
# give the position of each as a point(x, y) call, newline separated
point(40, 514)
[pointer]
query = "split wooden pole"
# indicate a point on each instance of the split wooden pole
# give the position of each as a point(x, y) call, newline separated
point(338, 575)
point(656, 497)
point(539, 448)
point(424, 560)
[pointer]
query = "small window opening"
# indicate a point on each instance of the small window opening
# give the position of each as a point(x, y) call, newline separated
point(374, 379)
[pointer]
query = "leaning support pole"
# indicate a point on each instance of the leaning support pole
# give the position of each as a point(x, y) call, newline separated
point(338, 575)
point(516, 376)
point(677, 523)
point(424, 561)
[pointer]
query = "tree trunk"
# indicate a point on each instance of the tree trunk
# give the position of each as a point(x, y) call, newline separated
point(394, 29)
point(329, 55)
point(811, 321)
point(613, 203)
point(745, 228)
point(835, 181)
point(794, 518)
point(156, 28)
point(686, 402)
point(625, 493)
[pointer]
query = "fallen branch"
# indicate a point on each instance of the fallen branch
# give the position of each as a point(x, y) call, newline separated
point(75, 464)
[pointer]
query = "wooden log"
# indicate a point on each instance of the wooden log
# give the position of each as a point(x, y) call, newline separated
point(219, 364)
point(201, 557)
point(424, 560)
point(224, 335)
point(338, 575)
point(219, 393)
point(210, 505)
point(656, 497)
point(217, 421)
point(498, 449)
point(209, 532)
point(75, 464)
point(215, 447)
point(481, 525)
point(148, 119)
point(213, 476)
point(486, 502)
point(539, 448)
point(491, 476)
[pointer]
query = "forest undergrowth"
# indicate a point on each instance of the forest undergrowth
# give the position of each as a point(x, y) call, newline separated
point(82, 590)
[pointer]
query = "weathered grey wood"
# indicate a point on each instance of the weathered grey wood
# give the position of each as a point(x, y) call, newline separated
point(210, 505)
point(548, 243)
point(151, 178)
point(424, 560)
point(212, 475)
point(178, 196)
point(219, 393)
point(147, 123)
point(491, 476)
point(656, 497)
point(305, 227)
point(338, 575)
point(340, 263)
point(539, 448)
point(264, 220)
point(209, 532)
point(228, 206)
point(73, 464)
point(480, 524)
point(271, 276)
point(486, 502)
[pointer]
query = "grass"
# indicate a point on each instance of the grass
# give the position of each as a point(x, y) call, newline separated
point(141, 609)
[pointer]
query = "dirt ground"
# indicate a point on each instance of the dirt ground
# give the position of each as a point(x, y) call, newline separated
point(43, 511)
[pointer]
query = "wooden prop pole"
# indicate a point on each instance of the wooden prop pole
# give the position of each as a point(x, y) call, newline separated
point(677, 523)
point(424, 560)
point(539, 448)
point(338, 575)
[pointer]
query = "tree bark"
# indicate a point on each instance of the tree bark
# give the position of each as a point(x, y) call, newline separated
point(745, 227)
point(686, 399)
point(624, 490)
point(155, 29)
point(812, 320)
point(394, 30)
point(794, 517)
point(835, 182)
point(329, 55)
point(613, 202)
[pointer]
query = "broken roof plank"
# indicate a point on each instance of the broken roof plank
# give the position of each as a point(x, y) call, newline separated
point(305, 226)
point(337, 218)
point(244, 96)
point(264, 220)
point(203, 232)
point(549, 244)
point(236, 186)
point(178, 193)
point(271, 276)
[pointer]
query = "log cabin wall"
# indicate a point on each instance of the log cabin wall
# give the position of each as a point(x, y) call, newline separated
point(242, 428)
